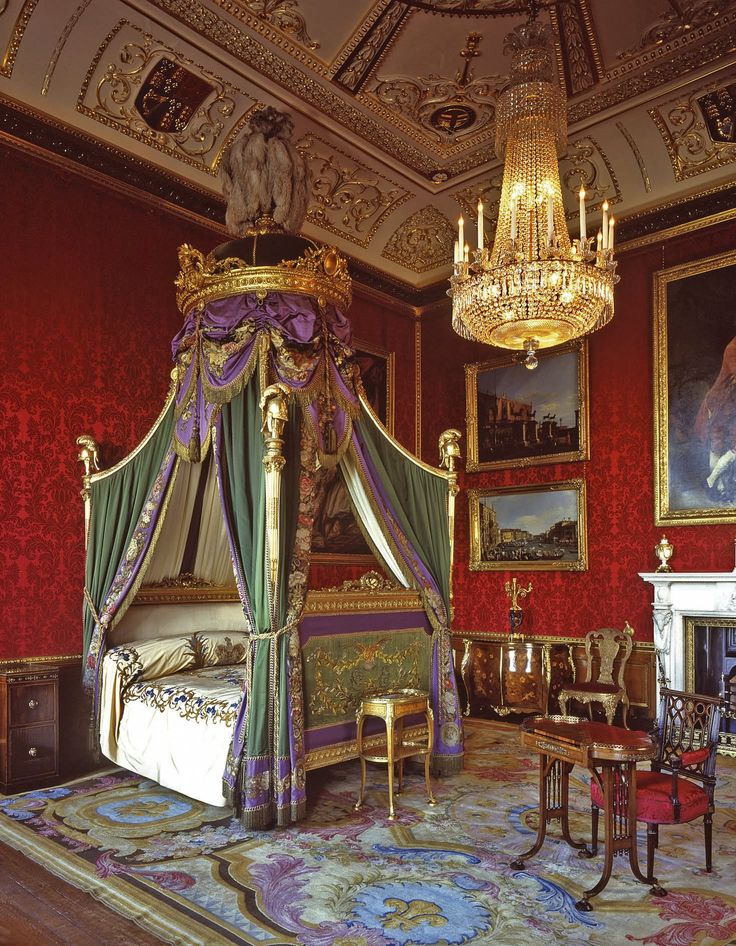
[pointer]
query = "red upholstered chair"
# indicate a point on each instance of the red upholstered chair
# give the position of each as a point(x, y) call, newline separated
point(682, 782)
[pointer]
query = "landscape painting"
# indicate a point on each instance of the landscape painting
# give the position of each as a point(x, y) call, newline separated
point(529, 527)
point(517, 417)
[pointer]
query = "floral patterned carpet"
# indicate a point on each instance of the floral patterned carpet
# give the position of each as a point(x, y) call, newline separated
point(435, 877)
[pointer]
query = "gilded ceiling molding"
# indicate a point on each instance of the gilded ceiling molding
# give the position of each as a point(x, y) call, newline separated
point(284, 15)
point(60, 44)
point(423, 242)
point(587, 163)
point(238, 43)
point(678, 21)
point(664, 65)
point(637, 155)
point(444, 107)
point(269, 28)
point(8, 60)
point(195, 135)
point(690, 148)
point(363, 59)
point(347, 197)
point(580, 72)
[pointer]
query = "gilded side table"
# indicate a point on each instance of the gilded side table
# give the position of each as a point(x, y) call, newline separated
point(393, 708)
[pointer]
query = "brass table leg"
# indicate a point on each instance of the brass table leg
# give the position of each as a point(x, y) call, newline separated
point(428, 753)
point(390, 752)
point(360, 719)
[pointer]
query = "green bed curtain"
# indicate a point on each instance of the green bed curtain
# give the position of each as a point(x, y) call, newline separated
point(117, 502)
point(255, 773)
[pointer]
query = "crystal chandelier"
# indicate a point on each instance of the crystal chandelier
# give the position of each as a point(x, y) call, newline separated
point(535, 288)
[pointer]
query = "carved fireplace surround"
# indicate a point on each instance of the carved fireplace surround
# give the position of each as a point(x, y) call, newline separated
point(677, 597)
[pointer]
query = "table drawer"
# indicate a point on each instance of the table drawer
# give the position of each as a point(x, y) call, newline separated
point(32, 751)
point(32, 703)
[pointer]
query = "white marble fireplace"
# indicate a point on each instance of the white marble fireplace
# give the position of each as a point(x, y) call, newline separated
point(677, 597)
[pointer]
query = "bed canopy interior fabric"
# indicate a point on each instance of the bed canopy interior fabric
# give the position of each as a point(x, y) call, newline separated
point(202, 494)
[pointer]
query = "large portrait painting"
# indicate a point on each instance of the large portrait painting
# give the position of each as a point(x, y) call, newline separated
point(695, 392)
point(336, 536)
point(529, 527)
point(517, 417)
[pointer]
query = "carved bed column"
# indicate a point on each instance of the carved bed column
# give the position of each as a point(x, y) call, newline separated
point(275, 413)
point(89, 456)
point(449, 446)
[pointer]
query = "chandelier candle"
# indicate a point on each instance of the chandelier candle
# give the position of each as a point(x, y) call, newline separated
point(533, 288)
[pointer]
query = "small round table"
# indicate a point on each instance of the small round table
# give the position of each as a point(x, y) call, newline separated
point(393, 708)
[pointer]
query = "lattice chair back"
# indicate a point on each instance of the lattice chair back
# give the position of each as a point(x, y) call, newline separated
point(688, 725)
point(609, 641)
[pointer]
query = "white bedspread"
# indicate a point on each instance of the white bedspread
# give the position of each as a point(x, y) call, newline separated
point(173, 727)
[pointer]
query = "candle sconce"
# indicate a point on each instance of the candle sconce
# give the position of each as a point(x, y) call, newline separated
point(516, 616)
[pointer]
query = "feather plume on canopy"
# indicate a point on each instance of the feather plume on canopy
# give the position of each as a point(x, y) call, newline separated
point(263, 176)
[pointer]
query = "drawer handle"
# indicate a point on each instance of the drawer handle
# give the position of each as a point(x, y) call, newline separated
point(32, 704)
point(33, 752)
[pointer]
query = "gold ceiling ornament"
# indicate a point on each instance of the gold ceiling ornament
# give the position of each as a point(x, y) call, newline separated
point(321, 272)
point(534, 288)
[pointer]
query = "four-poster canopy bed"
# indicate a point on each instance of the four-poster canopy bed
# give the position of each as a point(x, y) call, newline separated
point(230, 692)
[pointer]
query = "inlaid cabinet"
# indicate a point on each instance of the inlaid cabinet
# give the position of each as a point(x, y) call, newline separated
point(29, 726)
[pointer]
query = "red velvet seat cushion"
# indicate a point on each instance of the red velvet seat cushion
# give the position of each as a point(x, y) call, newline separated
point(654, 802)
point(593, 688)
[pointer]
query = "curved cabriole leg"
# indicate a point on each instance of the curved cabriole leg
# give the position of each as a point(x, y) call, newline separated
point(390, 745)
point(626, 712)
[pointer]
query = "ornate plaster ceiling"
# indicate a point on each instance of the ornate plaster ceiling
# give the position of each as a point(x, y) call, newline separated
point(393, 101)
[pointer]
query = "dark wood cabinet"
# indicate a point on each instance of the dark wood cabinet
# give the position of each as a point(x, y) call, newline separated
point(498, 677)
point(503, 677)
point(29, 726)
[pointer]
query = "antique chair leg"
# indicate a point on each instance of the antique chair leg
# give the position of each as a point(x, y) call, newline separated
point(708, 825)
point(594, 830)
point(390, 748)
point(610, 711)
point(652, 844)
point(563, 704)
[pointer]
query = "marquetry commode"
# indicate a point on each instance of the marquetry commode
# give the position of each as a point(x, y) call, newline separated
point(29, 726)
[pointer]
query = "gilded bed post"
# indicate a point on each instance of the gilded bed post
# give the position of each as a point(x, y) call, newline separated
point(449, 446)
point(275, 413)
point(89, 456)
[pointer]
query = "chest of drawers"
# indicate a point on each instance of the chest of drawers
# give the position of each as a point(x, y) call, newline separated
point(29, 726)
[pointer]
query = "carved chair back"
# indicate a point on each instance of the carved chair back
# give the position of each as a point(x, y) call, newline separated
point(688, 725)
point(729, 694)
point(609, 642)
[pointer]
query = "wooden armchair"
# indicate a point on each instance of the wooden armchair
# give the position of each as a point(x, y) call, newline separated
point(608, 649)
point(682, 782)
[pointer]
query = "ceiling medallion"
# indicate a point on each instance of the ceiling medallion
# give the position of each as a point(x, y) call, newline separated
point(534, 288)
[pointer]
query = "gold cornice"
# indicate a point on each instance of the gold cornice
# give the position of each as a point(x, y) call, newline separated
point(679, 229)
point(352, 43)
point(320, 273)
point(502, 637)
point(276, 35)
point(10, 662)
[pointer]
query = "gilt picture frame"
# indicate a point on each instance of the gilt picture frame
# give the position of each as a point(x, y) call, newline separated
point(518, 418)
point(540, 527)
point(336, 536)
point(695, 392)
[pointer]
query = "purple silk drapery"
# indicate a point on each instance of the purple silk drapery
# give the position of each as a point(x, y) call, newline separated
point(448, 749)
point(216, 353)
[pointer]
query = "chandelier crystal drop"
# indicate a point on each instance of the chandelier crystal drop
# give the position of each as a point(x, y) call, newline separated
point(535, 288)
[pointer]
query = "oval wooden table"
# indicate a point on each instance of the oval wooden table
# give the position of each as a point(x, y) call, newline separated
point(610, 753)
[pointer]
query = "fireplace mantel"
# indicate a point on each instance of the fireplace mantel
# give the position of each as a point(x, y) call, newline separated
point(677, 596)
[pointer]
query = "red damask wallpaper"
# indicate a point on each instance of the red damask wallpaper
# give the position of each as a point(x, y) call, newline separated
point(89, 314)
point(619, 474)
